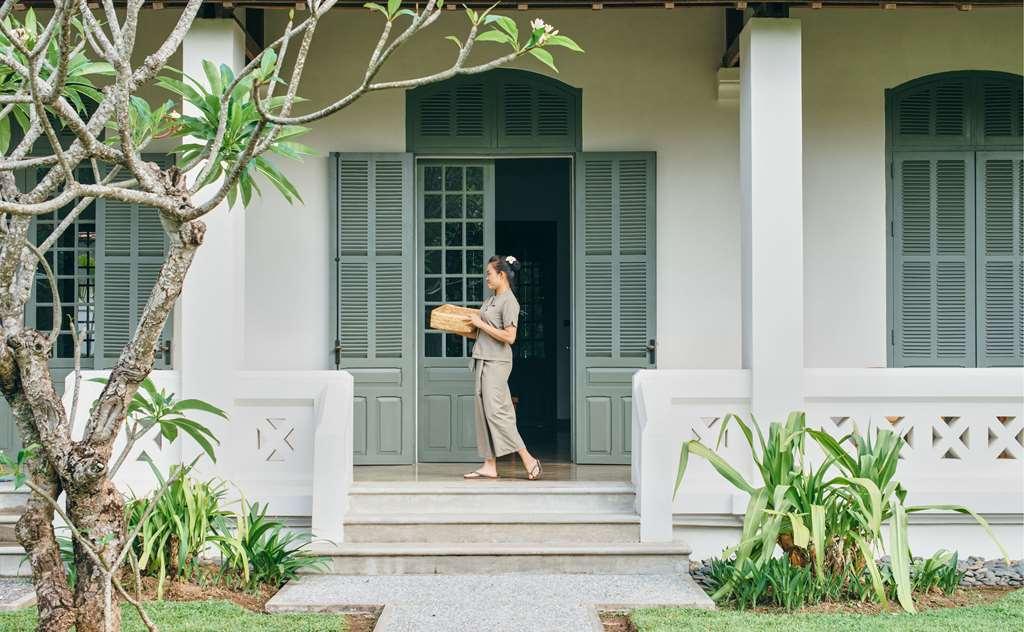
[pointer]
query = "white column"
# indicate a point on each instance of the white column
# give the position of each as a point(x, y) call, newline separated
point(771, 177)
point(209, 330)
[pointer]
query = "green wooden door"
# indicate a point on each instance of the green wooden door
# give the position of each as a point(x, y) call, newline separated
point(456, 229)
point(614, 297)
point(1000, 269)
point(933, 259)
point(374, 304)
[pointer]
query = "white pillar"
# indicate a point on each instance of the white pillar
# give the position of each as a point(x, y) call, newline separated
point(771, 177)
point(211, 309)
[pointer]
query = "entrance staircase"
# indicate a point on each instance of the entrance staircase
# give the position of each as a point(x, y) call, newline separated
point(492, 527)
point(12, 556)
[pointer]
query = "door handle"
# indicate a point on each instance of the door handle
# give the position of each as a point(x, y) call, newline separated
point(165, 348)
point(652, 350)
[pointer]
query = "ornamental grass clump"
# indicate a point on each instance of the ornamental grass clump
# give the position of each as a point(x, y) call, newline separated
point(827, 518)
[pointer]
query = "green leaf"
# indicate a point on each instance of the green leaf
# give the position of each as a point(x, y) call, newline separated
point(545, 57)
point(5, 134)
point(268, 62)
point(818, 536)
point(506, 24)
point(213, 76)
point(720, 464)
point(801, 535)
point(457, 41)
point(562, 40)
point(376, 7)
point(393, 6)
point(494, 35)
point(900, 556)
point(876, 577)
point(684, 457)
point(473, 17)
point(198, 404)
point(964, 510)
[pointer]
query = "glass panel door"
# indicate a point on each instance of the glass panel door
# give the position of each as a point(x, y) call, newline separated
point(456, 235)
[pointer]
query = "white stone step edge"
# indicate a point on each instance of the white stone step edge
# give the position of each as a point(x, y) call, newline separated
point(490, 518)
point(415, 549)
point(490, 487)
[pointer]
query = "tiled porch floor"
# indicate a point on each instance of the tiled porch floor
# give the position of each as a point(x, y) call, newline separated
point(507, 468)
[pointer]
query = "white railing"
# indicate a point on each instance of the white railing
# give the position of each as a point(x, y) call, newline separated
point(964, 433)
point(288, 442)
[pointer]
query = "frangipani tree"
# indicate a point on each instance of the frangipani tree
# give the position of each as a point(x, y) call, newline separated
point(73, 73)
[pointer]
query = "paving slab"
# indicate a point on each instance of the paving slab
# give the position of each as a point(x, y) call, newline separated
point(16, 594)
point(497, 603)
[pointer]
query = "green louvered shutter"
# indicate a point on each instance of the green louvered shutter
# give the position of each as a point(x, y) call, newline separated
point(130, 249)
point(1000, 259)
point(1001, 108)
point(935, 113)
point(933, 258)
point(615, 290)
point(374, 211)
point(536, 115)
point(451, 115)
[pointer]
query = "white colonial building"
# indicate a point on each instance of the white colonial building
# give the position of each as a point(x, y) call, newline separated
point(807, 206)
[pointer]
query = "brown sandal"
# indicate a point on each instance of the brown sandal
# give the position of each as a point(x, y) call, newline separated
point(536, 472)
point(472, 476)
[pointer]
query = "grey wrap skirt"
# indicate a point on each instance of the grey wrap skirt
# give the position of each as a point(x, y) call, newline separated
point(496, 432)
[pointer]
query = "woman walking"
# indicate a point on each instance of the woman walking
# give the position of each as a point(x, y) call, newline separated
point(496, 323)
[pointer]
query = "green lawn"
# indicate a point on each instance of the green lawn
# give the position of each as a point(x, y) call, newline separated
point(205, 616)
point(1006, 614)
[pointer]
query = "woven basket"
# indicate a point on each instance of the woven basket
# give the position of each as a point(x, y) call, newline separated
point(452, 318)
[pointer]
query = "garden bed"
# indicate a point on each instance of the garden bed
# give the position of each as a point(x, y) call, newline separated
point(966, 609)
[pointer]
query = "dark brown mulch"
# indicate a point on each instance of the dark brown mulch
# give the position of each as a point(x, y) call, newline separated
point(618, 621)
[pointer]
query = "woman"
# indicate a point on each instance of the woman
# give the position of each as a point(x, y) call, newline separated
point(496, 433)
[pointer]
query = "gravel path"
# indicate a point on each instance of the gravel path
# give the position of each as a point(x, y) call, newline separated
point(15, 593)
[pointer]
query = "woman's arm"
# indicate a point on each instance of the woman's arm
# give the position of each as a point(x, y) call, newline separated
point(506, 335)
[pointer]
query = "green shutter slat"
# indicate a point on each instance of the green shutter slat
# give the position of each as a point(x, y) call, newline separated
point(151, 237)
point(632, 299)
point(389, 238)
point(914, 114)
point(633, 205)
point(1001, 264)
point(950, 109)
point(435, 116)
point(117, 228)
point(1001, 108)
point(354, 200)
point(599, 305)
point(554, 114)
point(597, 175)
point(934, 313)
point(469, 109)
point(354, 281)
point(117, 310)
point(518, 103)
point(389, 301)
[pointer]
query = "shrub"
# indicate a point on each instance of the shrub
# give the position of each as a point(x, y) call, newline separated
point(830, 516)
point(260, 550)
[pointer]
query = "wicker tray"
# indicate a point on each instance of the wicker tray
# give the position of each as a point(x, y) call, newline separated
point(452, 318)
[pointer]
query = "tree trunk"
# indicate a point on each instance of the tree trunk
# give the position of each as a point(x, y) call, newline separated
point(98, 511)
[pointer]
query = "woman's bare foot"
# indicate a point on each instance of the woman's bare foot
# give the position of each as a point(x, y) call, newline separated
point(488, 470)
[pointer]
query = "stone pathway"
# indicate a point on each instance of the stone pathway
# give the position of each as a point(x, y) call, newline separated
point(498, 603)
point(15, 594)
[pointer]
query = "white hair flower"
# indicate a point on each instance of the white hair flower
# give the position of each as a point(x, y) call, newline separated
point(510, 260)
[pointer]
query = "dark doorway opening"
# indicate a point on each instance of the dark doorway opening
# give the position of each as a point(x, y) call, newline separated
point(533, 222)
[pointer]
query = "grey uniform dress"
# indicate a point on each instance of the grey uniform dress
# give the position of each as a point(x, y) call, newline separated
point(496, 433)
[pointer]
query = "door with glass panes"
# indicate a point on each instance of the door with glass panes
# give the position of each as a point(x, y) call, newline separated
point(455, 223)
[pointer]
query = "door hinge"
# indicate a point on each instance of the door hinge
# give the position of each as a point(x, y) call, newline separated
point(337, 353)
point(892, 337)
point(165, 348)
point(892, 228)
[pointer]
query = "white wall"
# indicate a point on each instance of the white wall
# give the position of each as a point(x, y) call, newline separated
point(850, 58)
point(648, 82)
point(655, 92)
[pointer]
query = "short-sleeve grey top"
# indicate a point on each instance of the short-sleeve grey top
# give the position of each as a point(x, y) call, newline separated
point(501, 311)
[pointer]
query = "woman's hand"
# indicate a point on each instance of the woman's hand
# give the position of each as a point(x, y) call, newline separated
point(476, 321)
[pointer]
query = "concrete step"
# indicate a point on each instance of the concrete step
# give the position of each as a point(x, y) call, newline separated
point(502, 528)
point(13, 562)
point(491, 497)
point(485, 558)
point(8, 518)
point(11, 499)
